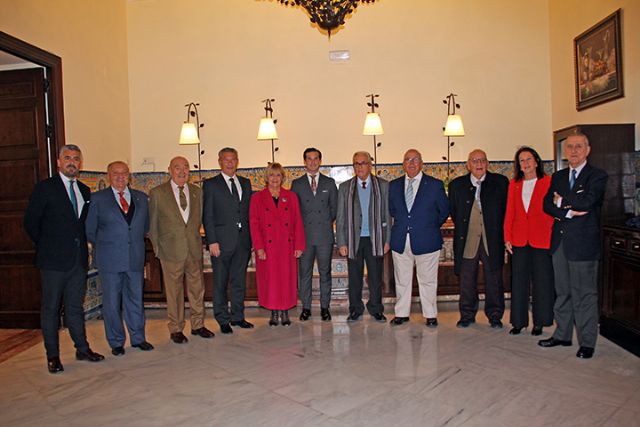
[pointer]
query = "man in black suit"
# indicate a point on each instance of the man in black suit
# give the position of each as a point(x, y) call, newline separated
point(478, 202)
point(226, 224)
point(54, 219)
point(318, 196)
point(574, 199)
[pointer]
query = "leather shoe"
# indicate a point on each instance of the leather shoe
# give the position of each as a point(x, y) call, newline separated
point(552, 342)
point(54, 365)
point(203, 333)
point(144, 346)
point(305, 315)
point(537, 330)
point(117, 351)
point(585, 352)
point(325, 314)
point(495, 324)
point(515, 331)
point(353, 317)
point(242, 324)
point(463, 323)
point(379, 317)
point(225, 328)
point(432, 322)
point(398, 321)
point(178, 338)
point(89, 355)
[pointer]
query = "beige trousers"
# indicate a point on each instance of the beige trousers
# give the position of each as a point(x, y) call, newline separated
point(175, 274)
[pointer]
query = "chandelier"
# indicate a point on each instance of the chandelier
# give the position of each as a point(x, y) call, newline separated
point(327, 14)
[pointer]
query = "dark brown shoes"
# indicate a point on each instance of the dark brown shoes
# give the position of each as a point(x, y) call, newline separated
point(178, 338)
point(203, 332)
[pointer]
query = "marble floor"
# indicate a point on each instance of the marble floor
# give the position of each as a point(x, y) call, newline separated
point(326, 374)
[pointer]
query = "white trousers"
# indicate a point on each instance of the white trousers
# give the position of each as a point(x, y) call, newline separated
point(427, 273)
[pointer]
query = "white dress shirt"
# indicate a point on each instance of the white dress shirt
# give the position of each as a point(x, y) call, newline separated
point(176, 194)
point(79, 198)
point(235, 181)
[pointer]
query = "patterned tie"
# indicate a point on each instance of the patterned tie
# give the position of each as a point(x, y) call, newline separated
point(364, 185)
point(234, 190)
point(572, 179)
point(123, 203)
point(313, 184)
point(183, 198)
point(408, 194)
point(72, 196)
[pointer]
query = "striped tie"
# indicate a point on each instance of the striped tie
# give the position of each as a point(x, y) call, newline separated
point(408, 194)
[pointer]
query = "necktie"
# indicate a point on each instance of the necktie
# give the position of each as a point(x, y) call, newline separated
point(183, 198)
point(572, 179)
point(72, 196)
point(364, 185)
point(123, 203)
point(408, 194)
point(478, 188)
point(313, 184)
point(234, 190)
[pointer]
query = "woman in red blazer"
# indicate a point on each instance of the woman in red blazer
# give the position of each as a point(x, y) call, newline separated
point(527, 236)
point(278, 240)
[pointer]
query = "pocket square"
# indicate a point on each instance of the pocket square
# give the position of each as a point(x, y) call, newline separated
point(325, 191)
point(579, 191)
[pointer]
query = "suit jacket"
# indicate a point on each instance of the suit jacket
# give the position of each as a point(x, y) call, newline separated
point(172, 239)
point(532, 227)
point(342, 232)
point(580, 234)
point(57, 232)
point(429, 211)
point(319, 211)
point(493, 197)
point(119, 246)
point(222, 213)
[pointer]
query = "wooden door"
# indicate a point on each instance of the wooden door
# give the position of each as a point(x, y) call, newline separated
point(23, 162)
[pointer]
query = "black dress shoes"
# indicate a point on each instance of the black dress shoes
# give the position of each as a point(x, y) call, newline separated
point(242, 324)
point(144, 346)
point(178, 338)
point(325, 314)
point(89, 355)
point(463, 323)
point(225, 328)
point(379, 317)
point(536, 331)
point(305, 315)
point(432, 322)
point(552, 342)
point(203, 333)
point(353, 316)
point(398, 321)
point(515, 331)
point(585, 352)
point(54, 365)
point(284, 318)
point(117, 351)
point(495, 324)
point(274, 318)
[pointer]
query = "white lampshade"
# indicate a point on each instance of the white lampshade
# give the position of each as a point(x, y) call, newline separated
point(454, 126)
point(189, 134)
point(372, 125)
point(267, 129)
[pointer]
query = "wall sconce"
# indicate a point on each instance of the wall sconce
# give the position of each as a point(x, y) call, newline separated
point(190, 134)
point(373, 127)
point(453, 127)
point(267, 128)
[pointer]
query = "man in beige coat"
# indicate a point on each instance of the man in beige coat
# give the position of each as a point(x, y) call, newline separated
point(175, 211)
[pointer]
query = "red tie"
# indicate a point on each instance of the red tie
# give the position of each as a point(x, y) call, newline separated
point(123, 203)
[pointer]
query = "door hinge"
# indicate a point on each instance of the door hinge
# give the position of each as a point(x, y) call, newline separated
point(48, 130)
point(46, 85)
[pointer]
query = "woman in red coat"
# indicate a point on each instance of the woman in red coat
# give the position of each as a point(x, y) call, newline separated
point(527, 236)
point(278, 240)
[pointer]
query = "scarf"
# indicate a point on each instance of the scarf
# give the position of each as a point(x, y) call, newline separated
point(375, 220)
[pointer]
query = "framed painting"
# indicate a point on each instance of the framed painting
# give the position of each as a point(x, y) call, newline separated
point(598, 63)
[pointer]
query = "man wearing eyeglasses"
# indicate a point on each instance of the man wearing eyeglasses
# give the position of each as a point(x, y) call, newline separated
point(362, 235)
point(478, 203)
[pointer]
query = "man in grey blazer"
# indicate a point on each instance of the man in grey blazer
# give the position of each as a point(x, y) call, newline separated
point(318, 196)
point(117, 222)
point(363, 233)
point(226, 224)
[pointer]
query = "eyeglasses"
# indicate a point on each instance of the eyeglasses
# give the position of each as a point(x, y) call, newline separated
point(413, 160)
point(361, 164)
point(478, 161)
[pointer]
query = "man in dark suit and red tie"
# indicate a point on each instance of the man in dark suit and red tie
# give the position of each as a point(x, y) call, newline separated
point(117, 222)
point(574, 200)
point(54, 219)
point(418, 206)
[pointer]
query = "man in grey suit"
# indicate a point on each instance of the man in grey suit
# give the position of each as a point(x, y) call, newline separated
point(117, 222)
point(318, 196)
point(226, 224)
point(362, 234)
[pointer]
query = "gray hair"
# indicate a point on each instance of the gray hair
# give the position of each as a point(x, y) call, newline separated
point(227, 150)
point(69, 147)
point(362, 153)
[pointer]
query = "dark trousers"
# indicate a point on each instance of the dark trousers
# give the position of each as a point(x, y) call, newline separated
point(532, 274)
point(230, 268)
point(321, 253)
point(374, 279)
point(577, 298)
point(68, 288)
point(122, 297)
point(494, 290)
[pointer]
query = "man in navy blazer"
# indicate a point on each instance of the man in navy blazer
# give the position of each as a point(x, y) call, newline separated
point(117, 222)
point(54, 219)
point(419, 206)
point(574, 199)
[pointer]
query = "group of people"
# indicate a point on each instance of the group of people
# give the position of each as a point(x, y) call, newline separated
point(550, 226)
